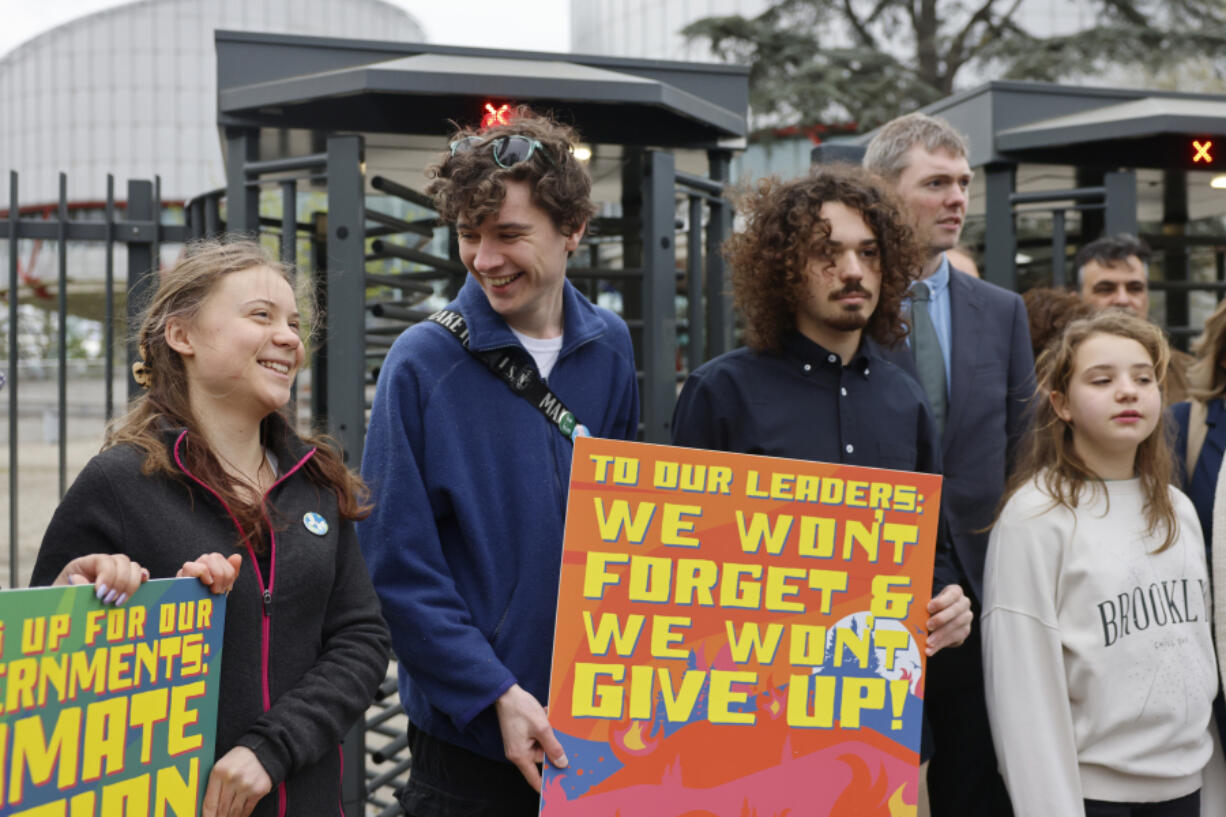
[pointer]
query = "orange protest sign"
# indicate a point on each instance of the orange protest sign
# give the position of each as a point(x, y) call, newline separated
point(739, 635)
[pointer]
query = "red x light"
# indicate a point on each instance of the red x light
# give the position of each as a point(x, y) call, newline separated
point(499, 115)
point(1202, 151)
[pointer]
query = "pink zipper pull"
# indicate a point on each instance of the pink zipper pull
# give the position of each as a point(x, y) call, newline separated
point(267, 602)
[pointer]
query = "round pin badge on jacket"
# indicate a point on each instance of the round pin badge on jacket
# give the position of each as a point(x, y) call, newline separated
point(315, 523)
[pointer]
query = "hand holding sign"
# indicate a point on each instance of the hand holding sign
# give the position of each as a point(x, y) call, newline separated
point(116, 576)
point(950, 621)
point(527, 736)
point(216, 572)
point(237, 783)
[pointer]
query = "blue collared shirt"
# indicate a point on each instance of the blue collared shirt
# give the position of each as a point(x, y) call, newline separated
point(938, 308)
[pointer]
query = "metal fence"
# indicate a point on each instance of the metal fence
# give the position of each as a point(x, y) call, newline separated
point(378, 262)
point(1112, 208)
point(135, 223)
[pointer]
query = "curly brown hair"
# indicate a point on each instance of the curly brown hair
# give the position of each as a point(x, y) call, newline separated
point(1207, 377)
point(1050, 310)
point(472, 184)
point(784, 231)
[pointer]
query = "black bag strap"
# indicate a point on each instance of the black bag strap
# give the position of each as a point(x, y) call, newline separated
point(521, 378)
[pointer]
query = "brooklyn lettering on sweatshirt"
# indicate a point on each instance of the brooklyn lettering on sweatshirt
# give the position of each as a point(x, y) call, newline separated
point(1161, 604)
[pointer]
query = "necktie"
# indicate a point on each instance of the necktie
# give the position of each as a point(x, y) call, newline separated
point(929, 362)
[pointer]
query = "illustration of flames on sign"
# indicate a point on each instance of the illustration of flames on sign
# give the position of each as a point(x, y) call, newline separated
point(631, 739)
point(646, 774)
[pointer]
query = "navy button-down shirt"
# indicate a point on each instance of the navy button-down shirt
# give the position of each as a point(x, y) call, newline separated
point(804, 403)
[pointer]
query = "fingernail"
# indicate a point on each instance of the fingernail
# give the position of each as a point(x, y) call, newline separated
point(562, 762)
point(122, 598)
point(144, 572)
point(109, 597)
point(101, 591)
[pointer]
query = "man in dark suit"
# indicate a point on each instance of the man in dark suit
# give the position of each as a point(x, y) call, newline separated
point(970, 350)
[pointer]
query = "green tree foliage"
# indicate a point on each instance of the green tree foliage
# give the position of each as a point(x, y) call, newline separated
point(862, 62)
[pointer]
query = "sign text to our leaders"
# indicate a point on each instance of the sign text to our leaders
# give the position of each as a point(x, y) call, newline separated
point(777, 485)
point(616, 690)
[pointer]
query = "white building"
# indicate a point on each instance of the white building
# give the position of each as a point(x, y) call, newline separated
point(132, 90)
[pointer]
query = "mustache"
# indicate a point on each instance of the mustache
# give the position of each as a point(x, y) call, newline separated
point(850, 289)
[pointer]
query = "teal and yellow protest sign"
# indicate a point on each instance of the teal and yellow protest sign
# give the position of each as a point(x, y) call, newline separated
point(108, 710)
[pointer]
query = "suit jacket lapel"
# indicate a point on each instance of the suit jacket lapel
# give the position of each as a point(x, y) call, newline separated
point(965, 330)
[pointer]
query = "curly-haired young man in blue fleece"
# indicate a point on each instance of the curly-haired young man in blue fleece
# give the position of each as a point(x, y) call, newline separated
point(469, 476)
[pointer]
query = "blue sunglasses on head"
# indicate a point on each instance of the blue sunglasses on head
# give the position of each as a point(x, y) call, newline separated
point(508, 151)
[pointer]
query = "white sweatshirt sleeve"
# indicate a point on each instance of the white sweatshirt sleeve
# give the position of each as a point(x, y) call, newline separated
point(1024, 672)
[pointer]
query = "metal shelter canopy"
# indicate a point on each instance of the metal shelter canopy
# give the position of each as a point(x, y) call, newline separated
point(1146, 132)
point(360, 120)
point(1014, 122)
point(277, 80)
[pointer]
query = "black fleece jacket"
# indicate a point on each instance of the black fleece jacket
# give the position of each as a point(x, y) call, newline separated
point(327, 641)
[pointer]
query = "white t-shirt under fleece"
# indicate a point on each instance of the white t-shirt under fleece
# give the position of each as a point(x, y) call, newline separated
point(1098, 659)
point(543, 350)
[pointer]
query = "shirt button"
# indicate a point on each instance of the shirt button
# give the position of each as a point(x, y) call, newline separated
point(866, 371)
point(833, 358)
point(850, 448)
point(808, 367)
point(843, 391)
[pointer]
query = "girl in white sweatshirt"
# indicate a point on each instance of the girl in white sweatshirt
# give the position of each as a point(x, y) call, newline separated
point(1098, 658)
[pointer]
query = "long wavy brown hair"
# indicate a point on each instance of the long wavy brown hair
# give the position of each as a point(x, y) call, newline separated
point(472, 184)
point(783, 231)
point(1048, 454)
point(1049, 310)
point(181, 292)
point(1207, 376)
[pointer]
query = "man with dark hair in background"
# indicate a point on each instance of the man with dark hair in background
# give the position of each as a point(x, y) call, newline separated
point(823, 264)
point(1113, 271)
point(970, 350)
point(468, 460)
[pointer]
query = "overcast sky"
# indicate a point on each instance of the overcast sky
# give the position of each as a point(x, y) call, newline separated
point(536, 25)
